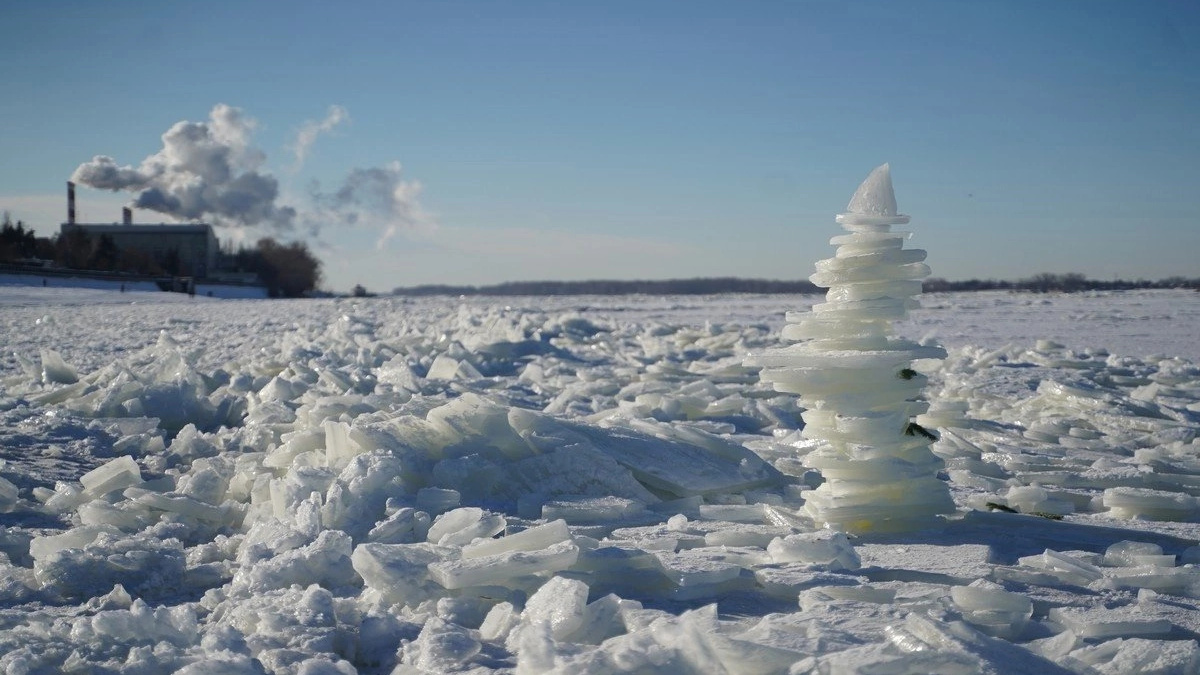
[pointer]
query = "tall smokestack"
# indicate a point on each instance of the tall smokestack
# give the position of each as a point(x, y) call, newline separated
point(126, 215)
point(70, 203)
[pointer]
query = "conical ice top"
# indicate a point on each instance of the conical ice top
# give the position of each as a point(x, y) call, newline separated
point(875, 196)
point(874, 202)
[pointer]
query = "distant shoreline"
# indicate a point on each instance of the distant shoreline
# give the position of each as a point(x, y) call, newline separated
point(730, 285)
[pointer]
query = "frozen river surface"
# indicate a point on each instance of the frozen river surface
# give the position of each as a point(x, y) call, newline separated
point(579, 485)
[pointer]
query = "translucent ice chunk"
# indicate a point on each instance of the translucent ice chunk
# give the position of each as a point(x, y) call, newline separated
point(1101, 622)
point(993, 610)
point(55, 370)
point(42, 547)
point(464, 525)
point(819, 597)
point(824, 547)
point(404, 526)
point(1075, 567)
point(8, 495)
point(445, 367)
point(584, 510)
point(117, 474)
point(532, 539)
point(399, 572)
point(499, 568)
point(1130, 502)
point(437, 500)
point(1127, 553)
point(559, 603)
point(441, 647)
point(499, 621)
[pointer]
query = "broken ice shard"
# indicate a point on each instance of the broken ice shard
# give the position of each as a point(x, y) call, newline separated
point(855, 379)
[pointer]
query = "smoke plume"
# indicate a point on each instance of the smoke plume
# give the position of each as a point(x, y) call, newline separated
point(211, 171)
point(204, 171)
point(310, 130)
point(378, 197)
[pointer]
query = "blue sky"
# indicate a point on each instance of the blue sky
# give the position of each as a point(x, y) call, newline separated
point(480, 142)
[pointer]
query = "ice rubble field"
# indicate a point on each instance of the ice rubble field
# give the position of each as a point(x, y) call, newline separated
point(579, 485)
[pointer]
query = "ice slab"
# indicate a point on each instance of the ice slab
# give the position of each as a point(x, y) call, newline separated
point(1101, 622)
point(532, 539)
point(117, 474)
point(681, 468)
point(399, 572)
point(560, 604)
point(499, 568)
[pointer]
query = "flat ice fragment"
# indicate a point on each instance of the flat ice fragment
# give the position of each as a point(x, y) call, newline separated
point(1037, 499)
point(183, 505)
point(146, 565)
point(471, 416)
point(734, 513)
point(993, 610)
point(620, 569)
point(744, 534)
point(708, 566)
point(533, 539)
point(1181, 581)
point(9, 494)
point(437, 500)
point(41, 548)
point(1142, 656)
point(1079, 570)
point(501, 567)
point(117, 474)
point(589, 510)
point(821, 596)
point(1127, 553)
point(1144, 503)
point(463, 525)
point(825, 547)
point(446, 367)
point(404, 526)
point(708, 465)
point(399, 572)
point(1102, 622)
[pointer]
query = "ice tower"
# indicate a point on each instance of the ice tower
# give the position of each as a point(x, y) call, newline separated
point(855, 379)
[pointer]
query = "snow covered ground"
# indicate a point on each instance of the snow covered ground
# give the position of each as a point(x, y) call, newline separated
point(579, 485)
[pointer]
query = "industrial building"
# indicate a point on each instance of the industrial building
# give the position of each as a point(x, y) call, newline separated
point(195, 245)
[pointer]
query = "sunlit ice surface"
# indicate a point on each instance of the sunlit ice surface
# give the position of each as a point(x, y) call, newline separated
point(586, 484)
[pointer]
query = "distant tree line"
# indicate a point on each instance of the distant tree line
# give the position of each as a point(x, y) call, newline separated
point(287, 270)
point(1041, 283)
point(16, 242)
point(707, 286)
point(1060, 283)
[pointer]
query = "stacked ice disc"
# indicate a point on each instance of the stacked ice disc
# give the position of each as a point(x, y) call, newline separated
point(855, 379)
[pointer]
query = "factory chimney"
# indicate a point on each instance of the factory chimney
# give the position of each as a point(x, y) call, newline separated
point(70, 203)
point(126, 215)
